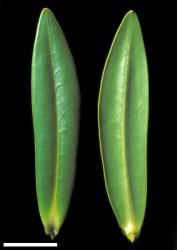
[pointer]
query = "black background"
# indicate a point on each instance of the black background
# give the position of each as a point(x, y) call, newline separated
point(89, 27)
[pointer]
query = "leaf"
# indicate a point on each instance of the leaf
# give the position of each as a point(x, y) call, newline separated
point(123, 125)
point(55, 111)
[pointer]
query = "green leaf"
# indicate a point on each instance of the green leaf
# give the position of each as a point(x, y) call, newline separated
point(55, 110)
point(123, 125)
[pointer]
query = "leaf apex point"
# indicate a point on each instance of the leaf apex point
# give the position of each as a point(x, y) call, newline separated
point(45, 11)
point(131, 233)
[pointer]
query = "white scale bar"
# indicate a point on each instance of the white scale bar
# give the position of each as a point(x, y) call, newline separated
point(29, 244)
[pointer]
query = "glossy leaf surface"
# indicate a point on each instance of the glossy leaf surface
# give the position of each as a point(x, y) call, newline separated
point(55, 110)
point(123, 125)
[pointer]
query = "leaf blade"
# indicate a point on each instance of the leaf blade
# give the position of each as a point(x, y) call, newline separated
point(55, 109)
point(122, 107)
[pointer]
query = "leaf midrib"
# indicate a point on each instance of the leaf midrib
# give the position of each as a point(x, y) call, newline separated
point(124, 144)
point(57, 124)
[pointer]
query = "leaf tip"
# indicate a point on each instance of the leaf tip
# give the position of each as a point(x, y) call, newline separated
point(131, 237)
point(46, 11)
point(131, 14)
point(131, 232)
point(51, 230)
